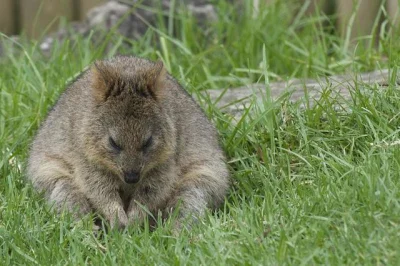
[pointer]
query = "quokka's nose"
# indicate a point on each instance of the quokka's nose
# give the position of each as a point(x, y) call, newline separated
point(132, 177)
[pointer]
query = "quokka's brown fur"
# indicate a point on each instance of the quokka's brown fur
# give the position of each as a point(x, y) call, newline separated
point(126, 135)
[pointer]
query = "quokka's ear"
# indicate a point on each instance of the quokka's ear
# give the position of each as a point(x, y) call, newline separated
point(156, 80)
point(102, 80)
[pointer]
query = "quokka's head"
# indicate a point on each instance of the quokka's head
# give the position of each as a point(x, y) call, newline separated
point(128, 131)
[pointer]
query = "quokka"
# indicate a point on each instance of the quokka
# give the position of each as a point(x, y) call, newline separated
point(125, 135)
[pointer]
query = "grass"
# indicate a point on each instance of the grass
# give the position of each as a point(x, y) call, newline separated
point(316, 185)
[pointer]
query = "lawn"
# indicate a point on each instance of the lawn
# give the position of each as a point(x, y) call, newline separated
point(314, 185)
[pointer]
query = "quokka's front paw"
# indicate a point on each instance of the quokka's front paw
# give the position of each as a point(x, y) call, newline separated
point(119, 220)
point(136, 215)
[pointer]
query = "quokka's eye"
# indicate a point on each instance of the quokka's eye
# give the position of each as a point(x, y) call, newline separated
point(147, 144)
point(114, 145)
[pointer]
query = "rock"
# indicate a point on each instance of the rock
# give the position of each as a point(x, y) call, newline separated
point(127, 18)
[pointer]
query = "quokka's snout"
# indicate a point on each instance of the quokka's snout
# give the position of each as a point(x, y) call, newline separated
point(132, 177)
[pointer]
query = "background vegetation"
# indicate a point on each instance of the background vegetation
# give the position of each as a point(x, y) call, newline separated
point(314, 185)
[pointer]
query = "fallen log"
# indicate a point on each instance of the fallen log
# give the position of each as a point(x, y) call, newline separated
point(234, 100)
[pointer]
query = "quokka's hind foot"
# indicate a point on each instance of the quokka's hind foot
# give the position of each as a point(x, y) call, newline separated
point(202, 187)
point(65, 196)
